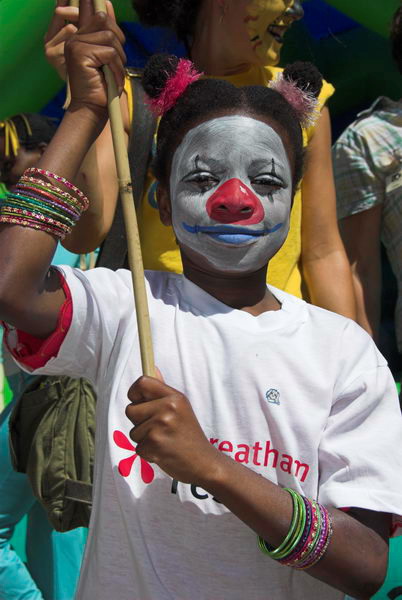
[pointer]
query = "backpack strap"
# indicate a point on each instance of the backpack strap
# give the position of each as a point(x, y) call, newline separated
point(79, 491)
point(113, 253)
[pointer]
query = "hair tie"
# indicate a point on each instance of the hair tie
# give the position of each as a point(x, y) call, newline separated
point(175, 87)
point(303, 102)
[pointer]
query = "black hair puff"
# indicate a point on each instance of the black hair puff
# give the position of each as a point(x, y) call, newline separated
point(158, 70)
point(306, 75)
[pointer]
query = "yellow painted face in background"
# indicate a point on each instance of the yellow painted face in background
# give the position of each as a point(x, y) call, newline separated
point(266, 25)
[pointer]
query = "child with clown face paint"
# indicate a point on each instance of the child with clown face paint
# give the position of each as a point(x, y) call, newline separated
point(264, 419)
point(239, 41)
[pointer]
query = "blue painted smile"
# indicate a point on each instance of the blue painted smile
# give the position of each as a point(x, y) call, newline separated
point(230, 234)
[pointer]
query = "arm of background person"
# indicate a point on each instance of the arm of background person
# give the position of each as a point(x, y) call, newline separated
point(325, 265)
point(97, 178)
point(361, 236)
point(360, 197)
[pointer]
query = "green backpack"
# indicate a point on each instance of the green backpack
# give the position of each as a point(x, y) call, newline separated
point(52, 439)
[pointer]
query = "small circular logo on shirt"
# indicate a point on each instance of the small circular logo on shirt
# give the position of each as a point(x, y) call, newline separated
point(273, 396)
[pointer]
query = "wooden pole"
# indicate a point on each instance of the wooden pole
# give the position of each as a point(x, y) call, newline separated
point(130, 218)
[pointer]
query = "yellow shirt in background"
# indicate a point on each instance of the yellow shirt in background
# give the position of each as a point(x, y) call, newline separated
point(159, 247)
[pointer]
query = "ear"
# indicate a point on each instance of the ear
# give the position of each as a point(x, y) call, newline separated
point(164, 205)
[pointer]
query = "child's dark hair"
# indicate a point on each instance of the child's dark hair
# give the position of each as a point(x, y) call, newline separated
point(42, 129)
point(396, 38)
point(209, 98)
point(32, 129)
point(179, 15)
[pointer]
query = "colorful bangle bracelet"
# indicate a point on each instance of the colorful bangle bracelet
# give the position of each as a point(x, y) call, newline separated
point(38, 209)
point(294, 557)
point(47, 193)
point(318, 551)
point(33, 182)
point(40, 205)
point(273, 553)
point(308, 537)
point(45, 186)
point(29, 190)
point(68, 184)
point(314, 533)
point(32, 225)
point(49, 207)
point(295, 531)
point(34, 217)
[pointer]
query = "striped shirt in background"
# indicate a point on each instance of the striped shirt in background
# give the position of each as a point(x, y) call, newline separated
point(368, 172)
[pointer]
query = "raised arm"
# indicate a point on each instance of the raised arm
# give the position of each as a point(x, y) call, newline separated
point(97, 176)
point(30, 294)
point(324, 261)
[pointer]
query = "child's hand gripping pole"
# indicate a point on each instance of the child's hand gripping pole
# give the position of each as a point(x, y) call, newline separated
point(130, 218)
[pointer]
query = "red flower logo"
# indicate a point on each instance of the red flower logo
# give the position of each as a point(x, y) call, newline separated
point(125, 465)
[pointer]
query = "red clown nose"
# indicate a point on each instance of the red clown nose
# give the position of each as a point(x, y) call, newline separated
point(234, 202)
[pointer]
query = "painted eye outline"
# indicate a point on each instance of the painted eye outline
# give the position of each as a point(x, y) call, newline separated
point(204, 180)
point(271, 184)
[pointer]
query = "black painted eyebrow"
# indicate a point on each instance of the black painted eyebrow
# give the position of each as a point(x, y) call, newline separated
point(211, 163)
point(269, 164)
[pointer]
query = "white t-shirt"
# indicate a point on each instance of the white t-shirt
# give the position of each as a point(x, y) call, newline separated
point(299, 395)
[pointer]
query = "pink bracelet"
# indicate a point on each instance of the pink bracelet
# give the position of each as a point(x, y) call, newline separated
point(300, 552)
point(27, 181)
point(322, 544)
point(32, 225)
point(28, 215)
point(70, 186)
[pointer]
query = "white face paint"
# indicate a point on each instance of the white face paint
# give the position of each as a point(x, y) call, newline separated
point(231, 191)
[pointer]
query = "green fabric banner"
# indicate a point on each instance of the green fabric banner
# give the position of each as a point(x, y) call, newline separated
point(27, 82)
point(372, 14)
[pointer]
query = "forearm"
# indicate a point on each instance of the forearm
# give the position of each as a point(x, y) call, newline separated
point(329, 282)
point(361, 234)
point(71, 143)
point(29, 298)
point(324, 262)
point(356, 559)
point(368, 299)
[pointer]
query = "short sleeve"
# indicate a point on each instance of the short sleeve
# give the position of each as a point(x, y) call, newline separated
point(358, 187)
point(360, 453)
point(102, 305)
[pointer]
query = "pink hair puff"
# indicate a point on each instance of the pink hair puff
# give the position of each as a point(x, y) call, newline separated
point(303, 102)
point(175, 87)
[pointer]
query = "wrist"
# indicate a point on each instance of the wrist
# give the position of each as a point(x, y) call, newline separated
point(90, 115)
point(214, 475)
